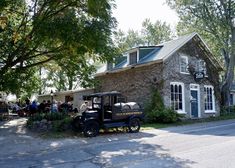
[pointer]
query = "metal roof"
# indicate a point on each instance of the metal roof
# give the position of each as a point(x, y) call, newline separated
point(160, 53)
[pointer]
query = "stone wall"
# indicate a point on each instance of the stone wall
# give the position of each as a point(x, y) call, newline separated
point(171, 73)
point(135, 83)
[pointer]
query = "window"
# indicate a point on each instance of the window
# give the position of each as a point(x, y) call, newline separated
point(209, 99)
point(109, 66)
point(184, 64)
point(201, 66)
point(177, 96)
point(133, 58)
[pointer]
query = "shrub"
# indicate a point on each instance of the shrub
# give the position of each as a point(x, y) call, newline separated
point(156, 111)
point(227, 110)
point(48, 116)
point(58, 121)
point(167, 115)
point(62, 125)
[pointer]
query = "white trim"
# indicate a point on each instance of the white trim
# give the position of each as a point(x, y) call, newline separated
point(138, 55)
point(198, 99)
point(186, 58)
point(183, 97)
point(213, 99)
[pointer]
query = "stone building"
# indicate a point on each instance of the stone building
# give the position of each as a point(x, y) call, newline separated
point(183, 70)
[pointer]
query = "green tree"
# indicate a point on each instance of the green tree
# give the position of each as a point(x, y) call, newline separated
point(150, 34)
point(69, 74)
point(213, 19)
point(155, 33)
point(22, 83)
point(38, 31)
point(125, 41)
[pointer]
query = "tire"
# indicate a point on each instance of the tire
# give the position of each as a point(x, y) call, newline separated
point(134, 125)
point(91, 129)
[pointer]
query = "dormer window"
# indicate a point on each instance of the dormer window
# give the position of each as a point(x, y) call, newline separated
point(184, 64)
point(133, 58)
point(109, 66)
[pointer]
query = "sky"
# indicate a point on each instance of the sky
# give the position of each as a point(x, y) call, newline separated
point(131, 13)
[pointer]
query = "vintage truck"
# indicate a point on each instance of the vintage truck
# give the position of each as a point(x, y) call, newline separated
point(108, 110)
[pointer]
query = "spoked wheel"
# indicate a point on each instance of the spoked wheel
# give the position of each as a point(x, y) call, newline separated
point(134, 125)
point(91, 129)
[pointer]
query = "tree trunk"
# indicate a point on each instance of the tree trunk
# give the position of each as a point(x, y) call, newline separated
point(70, 83)
point(225, 91)
point(40, 76)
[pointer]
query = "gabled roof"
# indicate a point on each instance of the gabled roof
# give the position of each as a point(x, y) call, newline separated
point(159, 53)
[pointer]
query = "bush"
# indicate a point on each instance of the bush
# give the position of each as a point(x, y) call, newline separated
point(156, 111)
point(48, 116)
point(62, 125)
point(227, 110)
point(166, 115)
point(50, 121)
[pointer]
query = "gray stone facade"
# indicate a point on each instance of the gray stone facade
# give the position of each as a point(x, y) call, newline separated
point(171, 73)
point(137, 82)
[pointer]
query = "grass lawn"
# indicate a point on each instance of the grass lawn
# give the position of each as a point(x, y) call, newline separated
point(147, 126)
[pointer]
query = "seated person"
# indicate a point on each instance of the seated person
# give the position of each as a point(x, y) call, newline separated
point(84, 107)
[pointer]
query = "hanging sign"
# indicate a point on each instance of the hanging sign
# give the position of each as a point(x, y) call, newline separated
point(199, 75)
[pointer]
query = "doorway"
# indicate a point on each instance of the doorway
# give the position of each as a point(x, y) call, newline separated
point(194, 101)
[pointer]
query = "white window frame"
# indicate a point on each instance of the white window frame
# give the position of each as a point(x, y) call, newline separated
point(186, 59)
point(199, 66)
point(213, 99)
point(183, 97)
point(128, 60)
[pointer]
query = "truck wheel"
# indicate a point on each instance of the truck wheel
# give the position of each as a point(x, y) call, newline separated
point(134, 125)
point(91, 129)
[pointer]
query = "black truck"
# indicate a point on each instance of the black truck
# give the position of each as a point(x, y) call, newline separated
point(108, 110)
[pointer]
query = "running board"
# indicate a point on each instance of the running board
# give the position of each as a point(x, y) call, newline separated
point(116, 124)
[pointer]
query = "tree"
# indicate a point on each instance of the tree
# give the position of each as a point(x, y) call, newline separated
point(38, 31)
point(68, 74)
point(213, 19)
point(22, 83)
point(125, 41)
point(150, 34)
point(155, 33)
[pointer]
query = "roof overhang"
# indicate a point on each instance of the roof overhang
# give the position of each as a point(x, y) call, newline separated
point(129, 67)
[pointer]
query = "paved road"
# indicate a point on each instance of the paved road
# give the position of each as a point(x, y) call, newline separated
point(207, 145)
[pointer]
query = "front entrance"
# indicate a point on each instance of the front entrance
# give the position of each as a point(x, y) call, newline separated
point(194, 100)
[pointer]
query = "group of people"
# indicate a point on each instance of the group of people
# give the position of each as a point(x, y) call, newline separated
point(48, 106)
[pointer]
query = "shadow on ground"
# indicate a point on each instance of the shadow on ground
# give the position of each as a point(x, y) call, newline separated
point(120, 150)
